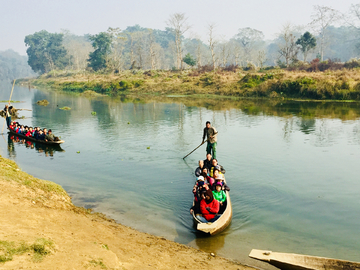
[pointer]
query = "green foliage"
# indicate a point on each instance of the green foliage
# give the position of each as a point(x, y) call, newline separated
point(189, 60)
point(65, 108)
point(306, 42)
point(46, 52)
point(207, 79)
point(251, 80)
point(93, 113)
point(40, 248)
point(101, 43)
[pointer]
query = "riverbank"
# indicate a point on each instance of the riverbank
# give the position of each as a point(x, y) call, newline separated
point(275, 83)
point(41, 229)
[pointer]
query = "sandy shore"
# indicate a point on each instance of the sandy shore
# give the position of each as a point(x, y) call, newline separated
point(37, 211)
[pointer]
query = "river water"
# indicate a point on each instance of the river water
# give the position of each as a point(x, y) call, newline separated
point(293, 167)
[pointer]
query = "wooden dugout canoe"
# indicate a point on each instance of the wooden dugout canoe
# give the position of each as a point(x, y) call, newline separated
point(220, 224)
point(289, 261)
point(35, 140)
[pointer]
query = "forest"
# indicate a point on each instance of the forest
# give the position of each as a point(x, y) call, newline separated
point(330, 36)
point(13, 66)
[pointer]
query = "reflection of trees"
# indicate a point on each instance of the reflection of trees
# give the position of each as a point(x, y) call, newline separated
point(306, 125)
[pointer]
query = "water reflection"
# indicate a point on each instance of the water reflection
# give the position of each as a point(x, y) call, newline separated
point(47, 150)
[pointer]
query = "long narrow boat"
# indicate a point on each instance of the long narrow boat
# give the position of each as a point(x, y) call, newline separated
point(289, 261)
point(35, 140)
point(220, 224)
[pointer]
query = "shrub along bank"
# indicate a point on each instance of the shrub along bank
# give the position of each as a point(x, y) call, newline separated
point(276, 83)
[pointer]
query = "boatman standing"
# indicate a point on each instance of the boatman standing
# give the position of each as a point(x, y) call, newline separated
point(211, 135)
point(7, 114)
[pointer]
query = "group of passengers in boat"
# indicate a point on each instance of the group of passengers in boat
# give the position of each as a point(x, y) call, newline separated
point(36, 132)
point(209, 190)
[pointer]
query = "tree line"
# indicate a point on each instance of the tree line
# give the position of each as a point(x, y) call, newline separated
point(329, 35)
point(13, 66)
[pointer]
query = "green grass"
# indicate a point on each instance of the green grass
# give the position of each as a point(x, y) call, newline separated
point(40, 248)
point(43, 102)
point(11, 172)
point(65, 108)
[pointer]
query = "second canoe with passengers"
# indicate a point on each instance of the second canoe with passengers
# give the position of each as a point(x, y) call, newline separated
point(36, 134)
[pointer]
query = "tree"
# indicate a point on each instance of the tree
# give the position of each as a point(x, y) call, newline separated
point(78, 49)
point(323, 17)
point(178, 22)
point(189, 60)
point(248, 38)
point(212, 43)
point(101, 43)
point(306, 42)
point(287, 47)
point(45, 51)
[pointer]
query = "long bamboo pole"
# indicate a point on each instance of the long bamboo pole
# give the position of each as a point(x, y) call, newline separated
point(8, 106)
point(195, 149)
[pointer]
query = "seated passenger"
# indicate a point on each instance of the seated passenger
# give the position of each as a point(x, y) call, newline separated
point(220, 179)
point(20, 129)
point(199, 169)
point(209, 208)
point(41, 136)
point(12, 125)
point(207, 177)
point(214, 164)
point(208, 162)
point(49, 137)
point(219, 194)
point(29, 133)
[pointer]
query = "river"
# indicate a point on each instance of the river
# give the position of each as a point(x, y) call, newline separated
point(293, 167)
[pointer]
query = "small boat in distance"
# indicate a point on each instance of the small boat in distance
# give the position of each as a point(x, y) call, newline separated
point(289, 261)
point(220, 224)
point(35, 140)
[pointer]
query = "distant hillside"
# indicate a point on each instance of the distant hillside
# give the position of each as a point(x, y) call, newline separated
point(14, 66)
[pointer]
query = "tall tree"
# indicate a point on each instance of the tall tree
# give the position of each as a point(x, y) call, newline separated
point(212, 43)
point(306, 43)
point(323, 17)
point(101, 43)
point(248, 38)
point(287, 46)
point(45, 51)
point(178, 22)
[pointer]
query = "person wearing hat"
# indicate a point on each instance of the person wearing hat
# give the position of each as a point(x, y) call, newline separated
point(209, 207)
point(211, 135)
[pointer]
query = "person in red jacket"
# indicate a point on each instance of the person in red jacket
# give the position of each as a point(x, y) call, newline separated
point(209, 207)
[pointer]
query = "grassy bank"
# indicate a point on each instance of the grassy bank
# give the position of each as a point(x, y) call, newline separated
point(276, 83)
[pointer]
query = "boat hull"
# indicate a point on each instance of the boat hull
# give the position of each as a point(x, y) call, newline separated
point(220, 224)
point(290, 261)
point(35, 140)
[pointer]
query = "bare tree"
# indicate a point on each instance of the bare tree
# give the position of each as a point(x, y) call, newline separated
point(117, 47)
point(261, 58)
point(152, 49)
point(287, 46)
point(212, 43)
point(322, 18)
point(248, 38)
point(224, 52)
point(178, 22)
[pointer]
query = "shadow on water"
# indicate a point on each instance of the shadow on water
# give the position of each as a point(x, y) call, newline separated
point(48, 150)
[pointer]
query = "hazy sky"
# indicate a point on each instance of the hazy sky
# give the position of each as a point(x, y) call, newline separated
point(19, 18)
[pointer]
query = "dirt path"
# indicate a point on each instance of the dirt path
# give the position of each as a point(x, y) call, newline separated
point(30, 211)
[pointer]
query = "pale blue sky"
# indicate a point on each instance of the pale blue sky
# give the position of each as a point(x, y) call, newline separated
point(19, 18)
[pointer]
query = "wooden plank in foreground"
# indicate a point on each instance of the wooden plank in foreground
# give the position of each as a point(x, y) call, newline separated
point(289, 261)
